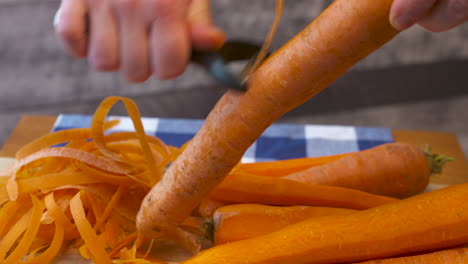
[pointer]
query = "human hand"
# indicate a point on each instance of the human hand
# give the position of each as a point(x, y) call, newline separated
point(137, 37)
point(434, 15)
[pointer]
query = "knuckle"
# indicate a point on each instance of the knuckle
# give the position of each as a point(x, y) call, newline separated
point(93, 3)
point(127, 4)
point(162, 8)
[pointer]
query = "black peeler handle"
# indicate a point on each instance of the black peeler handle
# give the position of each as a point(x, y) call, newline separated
point(215, 62)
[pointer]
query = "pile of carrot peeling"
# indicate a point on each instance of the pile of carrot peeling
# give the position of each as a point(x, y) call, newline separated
point(81, 188)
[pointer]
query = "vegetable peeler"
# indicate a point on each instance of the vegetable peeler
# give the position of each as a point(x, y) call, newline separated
point(216, 62)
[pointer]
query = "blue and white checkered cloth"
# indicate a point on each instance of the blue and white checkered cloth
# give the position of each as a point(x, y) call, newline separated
point(279, 141)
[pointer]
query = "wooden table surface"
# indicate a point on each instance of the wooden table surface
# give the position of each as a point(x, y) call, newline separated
point(31, 127)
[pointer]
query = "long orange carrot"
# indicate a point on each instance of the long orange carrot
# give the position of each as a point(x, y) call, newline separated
point(244, 188)
point(448, 256)
point(241, 221)
point(426, 222)
point(342, 35)
point(284, 167)
point(395, 169)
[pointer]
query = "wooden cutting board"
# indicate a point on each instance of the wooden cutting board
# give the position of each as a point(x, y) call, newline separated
point(31, 127)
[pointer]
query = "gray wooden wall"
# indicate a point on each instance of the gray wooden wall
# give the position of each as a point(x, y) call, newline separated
point(417, 81)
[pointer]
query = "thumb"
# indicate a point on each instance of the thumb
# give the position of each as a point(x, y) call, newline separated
point(204, 34)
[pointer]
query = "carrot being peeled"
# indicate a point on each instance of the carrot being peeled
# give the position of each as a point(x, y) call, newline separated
point(346, 32)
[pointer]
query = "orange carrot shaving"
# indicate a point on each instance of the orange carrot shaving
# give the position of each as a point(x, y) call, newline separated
point(54, 210)
point(15, 232)
point(52, 251)
point(99, 255)
point(6, 212)
point(101, 162)
point(137, 261)
point(269, 39)
point(112, 232)
point(28, 237)
point(122, 243)
point(97, 132)
point(125, 136)
point(58, 138)
point(34, 252)
point(102, 176)
point(110, 206)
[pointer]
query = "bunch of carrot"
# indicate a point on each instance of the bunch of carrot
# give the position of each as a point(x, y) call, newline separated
point(343, 208)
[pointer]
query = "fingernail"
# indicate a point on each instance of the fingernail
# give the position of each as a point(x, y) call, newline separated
point(401, 22)
point(57, 17)
point(221, 37)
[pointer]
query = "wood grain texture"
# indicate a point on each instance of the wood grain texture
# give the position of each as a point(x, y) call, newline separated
point(39, 78)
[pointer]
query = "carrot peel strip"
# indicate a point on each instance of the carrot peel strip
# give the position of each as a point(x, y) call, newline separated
point(86, 157)
point(110, 206)
point(6, 211)
point(269, 39)
point(56, 212)
point(98, 133)
point(15, 232)
point(50, 253)
point(99, 255)
point(100, 162)
point(58, 137)
point(29, 235)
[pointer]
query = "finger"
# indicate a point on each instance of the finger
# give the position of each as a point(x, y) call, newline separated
point(70, 27)
point(104, 40)
point(134, 49)
point(203, 33)
point(405, 13)
point(206, 37)
point(169, 38)
point(446, 15)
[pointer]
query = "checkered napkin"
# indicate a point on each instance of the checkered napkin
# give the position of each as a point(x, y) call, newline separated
point(279, 141)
